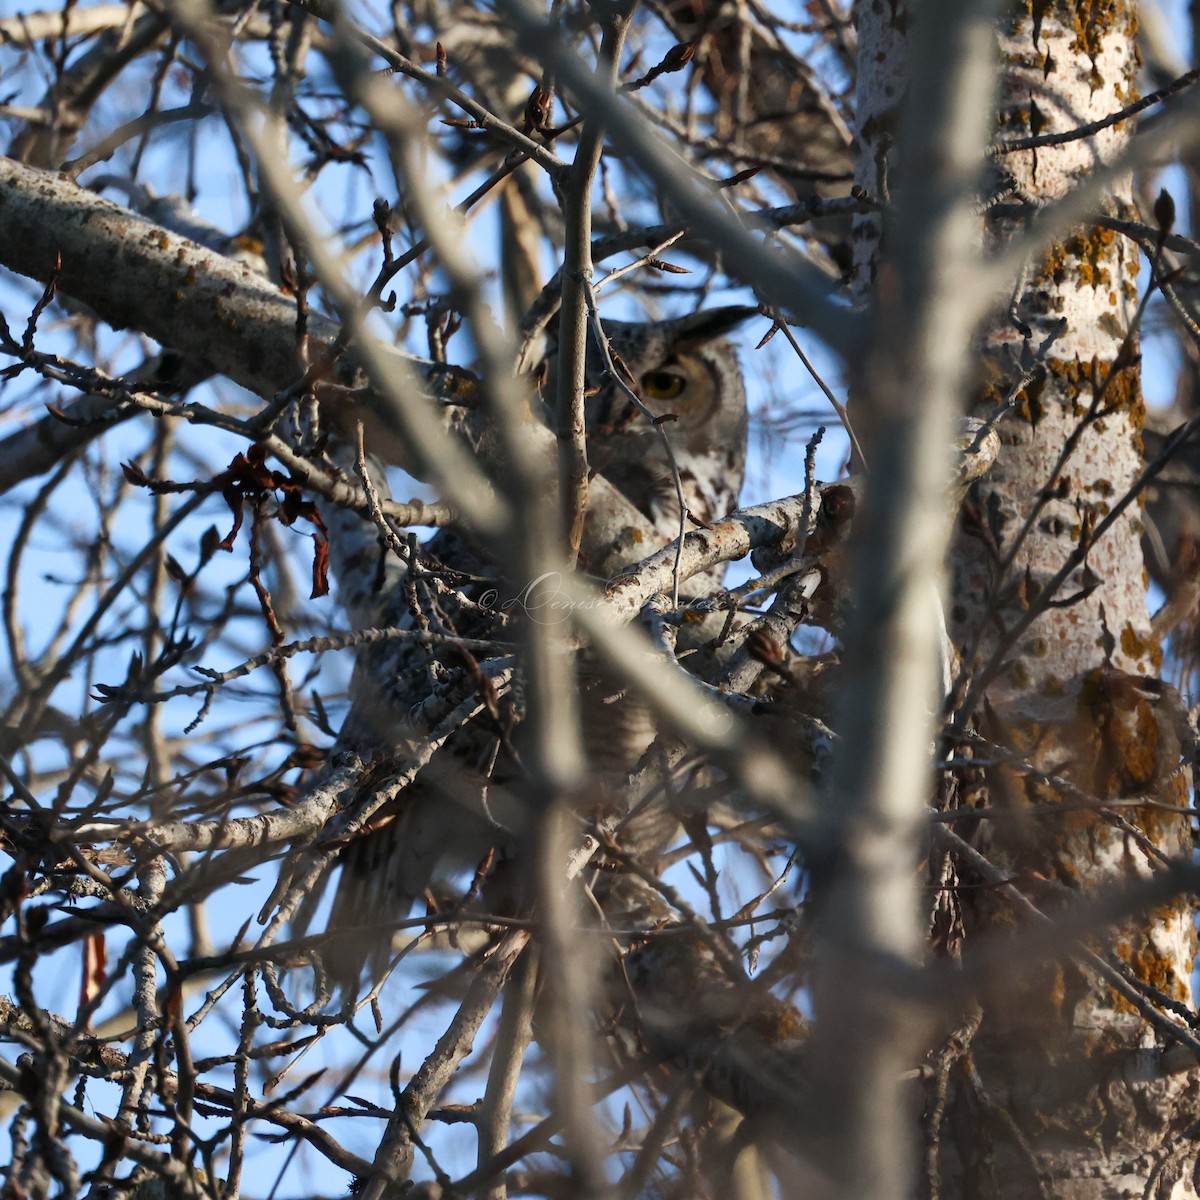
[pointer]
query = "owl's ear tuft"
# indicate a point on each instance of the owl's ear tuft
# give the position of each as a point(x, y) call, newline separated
point(707, 324)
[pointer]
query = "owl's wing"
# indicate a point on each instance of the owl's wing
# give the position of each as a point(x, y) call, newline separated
point(435, 608)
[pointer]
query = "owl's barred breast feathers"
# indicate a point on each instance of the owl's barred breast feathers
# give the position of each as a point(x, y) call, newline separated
point(466, 803)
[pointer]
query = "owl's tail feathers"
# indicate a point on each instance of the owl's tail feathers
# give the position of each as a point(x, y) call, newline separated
point(375, 885)
point(430, 840)
point(372, 896)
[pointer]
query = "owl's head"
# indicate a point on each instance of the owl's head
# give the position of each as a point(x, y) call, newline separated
point(686, 373)
point(683, 369)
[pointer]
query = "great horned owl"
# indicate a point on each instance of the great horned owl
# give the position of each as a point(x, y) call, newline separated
point(467, 801)
point(688, 376)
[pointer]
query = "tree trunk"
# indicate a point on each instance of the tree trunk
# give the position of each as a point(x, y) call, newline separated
point(1065, 1091)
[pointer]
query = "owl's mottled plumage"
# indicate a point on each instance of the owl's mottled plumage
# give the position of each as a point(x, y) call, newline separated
point(443, 822)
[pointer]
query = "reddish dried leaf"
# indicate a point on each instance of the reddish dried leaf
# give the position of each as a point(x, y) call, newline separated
point(234, 499)
point(174, 1005)
point(95, 969)
point(320, 569)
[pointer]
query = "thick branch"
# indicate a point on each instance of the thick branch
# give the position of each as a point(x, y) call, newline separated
point(136, 274)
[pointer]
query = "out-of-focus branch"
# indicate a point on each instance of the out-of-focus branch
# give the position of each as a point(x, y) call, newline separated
point(27, 29)
point(913, 382)
point(576, 191)
point(512, 1040)
point(553, 750)
point(78, 87)
point(436, 84)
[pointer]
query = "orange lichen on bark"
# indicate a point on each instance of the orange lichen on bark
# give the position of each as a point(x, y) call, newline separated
point(1151, 965)
point(1089, 20)
point(1070, 378)
point(1085, 258)
point(1136, 645)
point(1125, 732)
point(1119, 388)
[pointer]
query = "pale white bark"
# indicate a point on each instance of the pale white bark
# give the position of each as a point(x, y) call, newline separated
point(1064, 686)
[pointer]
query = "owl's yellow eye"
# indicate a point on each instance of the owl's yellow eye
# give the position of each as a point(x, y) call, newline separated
point(663, 385)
